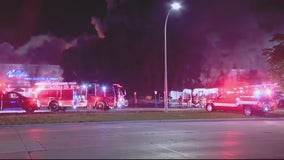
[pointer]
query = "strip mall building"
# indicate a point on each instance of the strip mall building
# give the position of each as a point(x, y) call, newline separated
point(22, 77)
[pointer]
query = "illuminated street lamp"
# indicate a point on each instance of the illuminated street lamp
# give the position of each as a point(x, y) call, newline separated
point(174, 6)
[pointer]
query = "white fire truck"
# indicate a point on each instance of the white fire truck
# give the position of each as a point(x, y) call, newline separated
point(249, 99)
point(63, 95)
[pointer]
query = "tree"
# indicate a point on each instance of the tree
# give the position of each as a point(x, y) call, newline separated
point(275, 58)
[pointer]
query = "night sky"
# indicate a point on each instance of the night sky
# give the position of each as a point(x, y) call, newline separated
point(123, 41)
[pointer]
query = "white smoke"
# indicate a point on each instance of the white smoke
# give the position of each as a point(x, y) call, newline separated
point(6, 48)
point(35, 42)
point(96, 22)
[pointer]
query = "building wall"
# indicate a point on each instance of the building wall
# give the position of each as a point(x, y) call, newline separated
point(24, 75)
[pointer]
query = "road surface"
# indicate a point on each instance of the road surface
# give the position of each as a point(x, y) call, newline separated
point(181, 139)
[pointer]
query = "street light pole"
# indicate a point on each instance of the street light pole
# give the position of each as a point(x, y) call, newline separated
point(166, 68)
point(174, 6)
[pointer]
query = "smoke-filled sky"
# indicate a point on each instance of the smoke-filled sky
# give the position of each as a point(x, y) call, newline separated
point(225, 33)
point(238, 30)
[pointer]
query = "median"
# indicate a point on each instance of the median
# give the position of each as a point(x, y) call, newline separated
point(120, 115)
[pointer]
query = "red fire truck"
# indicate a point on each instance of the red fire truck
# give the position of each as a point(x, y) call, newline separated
point(104, 96)
point(63, 95)
point(57, 95)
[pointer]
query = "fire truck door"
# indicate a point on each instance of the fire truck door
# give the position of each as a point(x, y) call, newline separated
point(227, 100)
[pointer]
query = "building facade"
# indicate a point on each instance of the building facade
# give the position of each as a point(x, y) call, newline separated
point(22, 76)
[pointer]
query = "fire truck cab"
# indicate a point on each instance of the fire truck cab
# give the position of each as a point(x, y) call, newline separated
point(249, 100)
point(104, 97)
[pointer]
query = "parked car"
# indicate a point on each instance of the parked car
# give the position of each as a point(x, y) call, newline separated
point(12, 100)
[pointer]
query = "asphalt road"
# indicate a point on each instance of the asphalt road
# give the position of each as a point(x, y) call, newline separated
point(259, 138)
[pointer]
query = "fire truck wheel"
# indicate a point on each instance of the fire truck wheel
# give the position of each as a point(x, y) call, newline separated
point(247, 110)
point(210, 108)
point(101, 105)
point(54, 106)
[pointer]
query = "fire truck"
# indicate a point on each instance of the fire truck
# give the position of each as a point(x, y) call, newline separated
point(104, 97)
point(249, 99)
point(64, 95)
point(58, 95)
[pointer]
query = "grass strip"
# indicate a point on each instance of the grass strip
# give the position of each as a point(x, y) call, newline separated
point(75, 117)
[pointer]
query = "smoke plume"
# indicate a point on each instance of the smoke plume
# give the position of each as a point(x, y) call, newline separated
point(96, 22)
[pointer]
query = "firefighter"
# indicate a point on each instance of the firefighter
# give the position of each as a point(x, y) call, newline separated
point(189, 102)
point(180, 100)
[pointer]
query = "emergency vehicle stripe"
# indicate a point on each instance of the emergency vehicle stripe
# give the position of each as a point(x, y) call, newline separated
point(226, 104)
point(247, 102)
